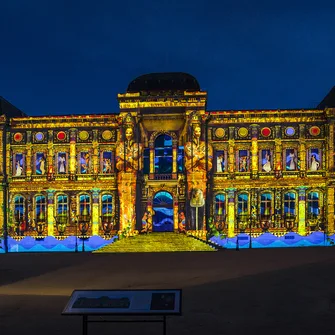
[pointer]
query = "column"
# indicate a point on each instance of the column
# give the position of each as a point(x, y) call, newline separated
point(302, 211)
point(95, 144)
point(50, 211)
point(51, 169)
point(174, 159)
point(72, 161)
point(302, 151)
point(278, 155)
point(149, 207)
point(330, 210)
point(231, 153)
point(175, 214)
point(330, 148)
point(28, 157)
point(3, 208)
point(254, 151)
point(95, 211)
point(231, 212)
point(152, 160)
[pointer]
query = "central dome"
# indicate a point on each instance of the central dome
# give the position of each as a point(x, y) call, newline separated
point(169, 81)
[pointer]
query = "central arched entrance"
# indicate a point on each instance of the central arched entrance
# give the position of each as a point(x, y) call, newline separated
point(163, 209)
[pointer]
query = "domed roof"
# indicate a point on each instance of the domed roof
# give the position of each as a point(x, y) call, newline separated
point(170, 81)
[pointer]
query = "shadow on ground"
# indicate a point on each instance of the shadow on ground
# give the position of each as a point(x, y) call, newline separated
point(298, 298)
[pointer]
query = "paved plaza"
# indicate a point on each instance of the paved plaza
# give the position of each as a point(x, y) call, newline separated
point(264, 291)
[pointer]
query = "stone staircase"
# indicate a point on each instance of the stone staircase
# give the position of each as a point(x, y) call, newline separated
point(156, 242)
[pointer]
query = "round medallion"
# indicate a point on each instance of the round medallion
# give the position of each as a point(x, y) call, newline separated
point(61, 136)
point(266, 132)
point(39, 136)
point(18, 137)
point(289, 131)
point(219, 132)
point(84, 135)
point(106, 135)
point(314, 131)
point(243, 132)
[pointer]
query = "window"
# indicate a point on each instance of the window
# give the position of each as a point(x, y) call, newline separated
point(266, 160)
point(40, 163)
point(242, 204)
point(19, 168)
point(107, 204)
point(221, 161)
point(40, 207)
point(180, 159)
point(163, 154)
point(220, 204)
point(313, 203)
point(266, 204)
point(314, 159)
point(84, 204)
point(84, 162)
point(19, 208)
point(62, 163)
point(291, 159)
point(106, 162)
point(146, 160)
point(289, 203)
point(62, 204)
point(243, 161)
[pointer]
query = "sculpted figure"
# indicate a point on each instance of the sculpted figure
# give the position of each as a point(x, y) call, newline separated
point(128, 162)
point(128, 153)
point(195, 152)
point(198, 160)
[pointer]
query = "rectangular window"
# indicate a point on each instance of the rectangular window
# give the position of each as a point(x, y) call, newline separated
point(314, 159)
point(266, 160)
point(243, 161)
point(221, 161)
point(291, 159)
point(19, 168)
point(106, 162)
point(62, 162)
point(40, 163)
point(84, 162)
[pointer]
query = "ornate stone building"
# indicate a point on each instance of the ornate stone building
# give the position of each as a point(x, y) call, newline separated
point(166, 163)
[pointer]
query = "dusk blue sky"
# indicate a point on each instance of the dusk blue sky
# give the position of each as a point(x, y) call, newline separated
point(73, 57)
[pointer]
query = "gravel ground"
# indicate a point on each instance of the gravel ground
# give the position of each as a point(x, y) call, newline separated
point(286, 291)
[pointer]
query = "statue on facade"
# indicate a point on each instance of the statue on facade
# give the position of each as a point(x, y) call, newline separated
point(198, 160)
point(128, 163)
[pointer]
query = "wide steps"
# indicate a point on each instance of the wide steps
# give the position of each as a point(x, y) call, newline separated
point(156, 242)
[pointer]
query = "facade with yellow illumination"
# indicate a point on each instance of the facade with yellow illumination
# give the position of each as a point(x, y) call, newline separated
point(166, 163)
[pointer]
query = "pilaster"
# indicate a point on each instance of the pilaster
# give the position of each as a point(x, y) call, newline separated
point(231, 212)
point(50, 211)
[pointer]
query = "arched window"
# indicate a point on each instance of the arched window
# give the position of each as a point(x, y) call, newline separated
point(313, 203)
point(84, 204)
point(19, 208)
point(180, 159)
point(40, 207)
point(107, 204)
point(163, 154)
point(146, 160)
point(289, 203)
point(62, 204)
point(266, 204)
point(220, 204)
point(242, 204)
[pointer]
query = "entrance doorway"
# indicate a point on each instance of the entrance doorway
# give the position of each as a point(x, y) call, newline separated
point(163, 209)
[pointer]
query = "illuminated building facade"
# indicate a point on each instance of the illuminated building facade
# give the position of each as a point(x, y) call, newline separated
point(165, 163)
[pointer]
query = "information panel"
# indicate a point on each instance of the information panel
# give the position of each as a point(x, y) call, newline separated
point(124, 302)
